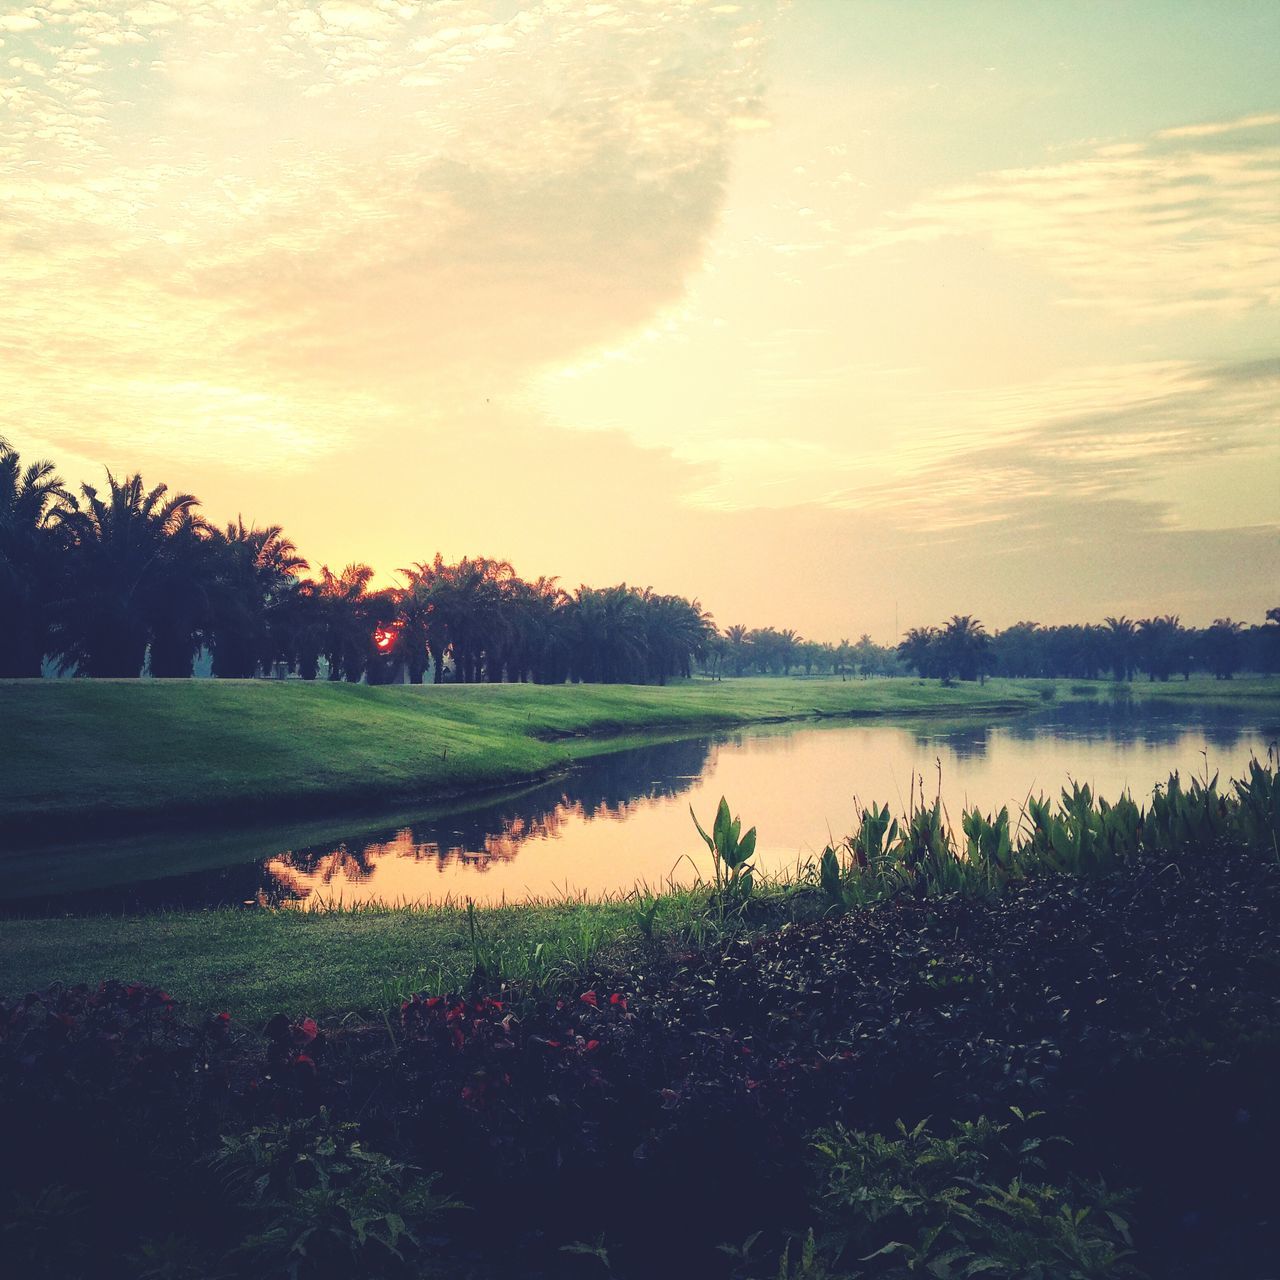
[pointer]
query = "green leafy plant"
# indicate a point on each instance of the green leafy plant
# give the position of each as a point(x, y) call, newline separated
point(974, 1202)
point(323, 1204)
point(731, 853)
point(643, 913)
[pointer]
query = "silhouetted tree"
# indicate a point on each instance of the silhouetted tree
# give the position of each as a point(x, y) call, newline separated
point(185, 576)
point(922, 649)
point(256, 571)
point(33, 540)
point(347, 620)
point(1161, 644)
point(1122, 646)
point(1221, 647)
point(966, 647)
point(119, 562)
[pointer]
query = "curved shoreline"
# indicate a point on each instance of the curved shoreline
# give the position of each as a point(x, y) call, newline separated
point(85, 759)
point(34, 831)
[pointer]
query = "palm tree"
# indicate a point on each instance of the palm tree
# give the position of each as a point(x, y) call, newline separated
point(535, 630)
point(675, 633)
point(1160, 643)
point(257, 570)
point(1122, 645)
point(298, 627)
point(347, 621)
point(966, 647)
point(1221, 646)
point(922, 649)
point(768, 648)
point(789, 641)
point(120, 558)
point(739, 649)
point(416, 608)
point(462, 609)
point(608, 644)
point(33, 504)
point(185, 580)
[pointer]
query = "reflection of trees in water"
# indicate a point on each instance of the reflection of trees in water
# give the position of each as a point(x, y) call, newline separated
point(1127, 722)
point(965, 744)
point(607, 788)
point(1121, 721)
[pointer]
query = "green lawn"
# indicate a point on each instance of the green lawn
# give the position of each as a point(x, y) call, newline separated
point(326, 964)
point(90, 754)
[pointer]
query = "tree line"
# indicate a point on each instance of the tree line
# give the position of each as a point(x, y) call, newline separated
point(120, 579)
point(1119, 647)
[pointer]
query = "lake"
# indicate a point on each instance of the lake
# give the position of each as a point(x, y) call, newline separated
point(622, 820)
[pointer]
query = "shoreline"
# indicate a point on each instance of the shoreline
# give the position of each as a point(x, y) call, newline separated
point(450, 757)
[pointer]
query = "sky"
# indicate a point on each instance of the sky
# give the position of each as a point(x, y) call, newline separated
point(838, 315)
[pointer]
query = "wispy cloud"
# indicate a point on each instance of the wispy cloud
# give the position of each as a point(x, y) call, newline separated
point(1100, 438)
point(402, 202)
point(1185, 221)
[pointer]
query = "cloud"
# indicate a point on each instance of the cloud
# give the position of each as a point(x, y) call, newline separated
point(1187, 221)
point(1093, 442)
point(403, 203)
point(1219, 127)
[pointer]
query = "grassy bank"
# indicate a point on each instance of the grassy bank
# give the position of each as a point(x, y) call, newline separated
point(96, 755)
point(326, 964)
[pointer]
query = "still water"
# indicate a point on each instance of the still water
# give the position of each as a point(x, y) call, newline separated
point(622, 820)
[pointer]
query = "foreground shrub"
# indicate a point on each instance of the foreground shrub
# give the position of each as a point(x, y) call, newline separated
point(322, 1205)
point(1082, 835)
point(975, 1202)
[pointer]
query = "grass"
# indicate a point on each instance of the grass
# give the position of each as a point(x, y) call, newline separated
point(327, 964)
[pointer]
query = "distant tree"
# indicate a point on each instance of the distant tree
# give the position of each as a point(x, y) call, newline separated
point(873, 659)
point(1221, 647)
point(788, 647)
point(185, 577)
point(922, 649)
point(676, 631)
point(121, 557)
point(739, 649)
point(811, 655)
point(256, 571)
point(716, 653)
point(966, 647)
point(1122, 646)
point(1162, 646)
point(33, 543)
point(842, 658)
point(346, 618)
point(1270, 637)
point(1020, 650)
point(298, 623)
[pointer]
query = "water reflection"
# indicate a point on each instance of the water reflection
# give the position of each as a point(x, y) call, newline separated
point(624, 818)
point(609, 788)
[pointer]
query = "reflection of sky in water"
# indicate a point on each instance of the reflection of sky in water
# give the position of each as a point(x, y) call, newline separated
point(624, 819)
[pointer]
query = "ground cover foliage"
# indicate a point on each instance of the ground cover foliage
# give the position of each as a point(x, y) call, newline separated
point(1068, 1071)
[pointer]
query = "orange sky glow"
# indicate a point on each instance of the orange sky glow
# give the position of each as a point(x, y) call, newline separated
point(830, 313)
